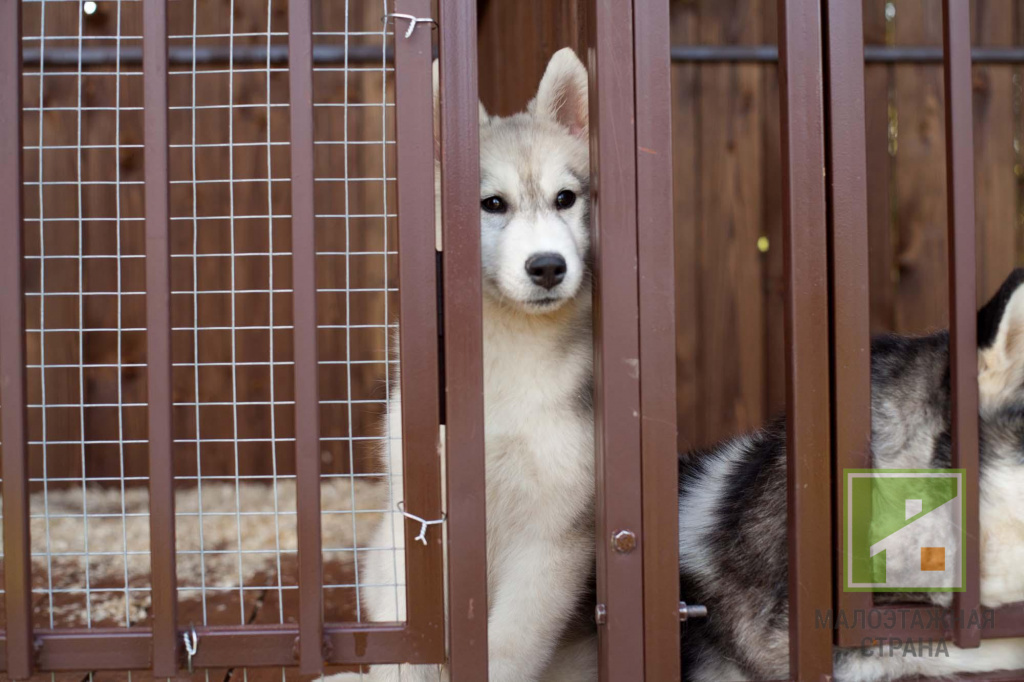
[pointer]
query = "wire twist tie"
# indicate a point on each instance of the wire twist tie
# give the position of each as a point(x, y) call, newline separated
point(191, 643)
point(411, 19)
point(424, 524)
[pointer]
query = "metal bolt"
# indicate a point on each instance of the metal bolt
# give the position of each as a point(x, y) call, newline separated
point(600, 614)
point(624, 541)
point(688, 611)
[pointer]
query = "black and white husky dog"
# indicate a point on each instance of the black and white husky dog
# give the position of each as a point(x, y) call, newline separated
point(539, 429)
point(732, 510)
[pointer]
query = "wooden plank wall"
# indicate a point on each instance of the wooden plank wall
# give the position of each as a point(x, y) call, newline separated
point(727, 206)
point(730, 342)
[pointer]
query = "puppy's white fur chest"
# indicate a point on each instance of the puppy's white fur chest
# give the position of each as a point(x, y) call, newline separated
point(539, 430)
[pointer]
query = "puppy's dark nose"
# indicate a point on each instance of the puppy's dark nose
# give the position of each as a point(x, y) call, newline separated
point(546, 269)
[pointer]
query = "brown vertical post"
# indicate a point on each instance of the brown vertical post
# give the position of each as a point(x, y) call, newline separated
point(307, 395)
point(17, 552)
point(417, 271)
point(851, 333)
point(963, 341)
point(655, 252)
point(807, 332)
point(463, 334)
point(616, 342)
point(158, 341)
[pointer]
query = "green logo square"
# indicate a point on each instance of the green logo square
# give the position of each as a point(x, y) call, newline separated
point(903, 530)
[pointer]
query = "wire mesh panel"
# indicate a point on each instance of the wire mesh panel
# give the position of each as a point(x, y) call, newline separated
point(85, 315)
point(231, 314)
point(233, 311)
point(357, 268)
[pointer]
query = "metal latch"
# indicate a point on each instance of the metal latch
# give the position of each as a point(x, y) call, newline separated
point(688, 611)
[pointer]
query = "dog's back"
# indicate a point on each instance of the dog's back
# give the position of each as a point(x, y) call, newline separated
point(732, 509)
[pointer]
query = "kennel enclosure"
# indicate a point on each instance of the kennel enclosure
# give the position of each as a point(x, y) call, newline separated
point(340, 186)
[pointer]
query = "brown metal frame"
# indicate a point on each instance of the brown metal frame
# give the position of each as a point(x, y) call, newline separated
point(463, 342)
point(848, 257)
point(828, 397)
point(307, 401)
point(18, 647)
point(424, 626)
point(656, 274)
point(163, 574)
point(807, 335)
point(851, 359)
point(963, 342)
point(617, 363)
point(311, 643)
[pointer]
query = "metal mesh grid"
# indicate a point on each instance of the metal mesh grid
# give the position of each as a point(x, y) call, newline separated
point(357, 270)
point(231, 276)
point(231, 305)
point(229, 337)
point(85, 316)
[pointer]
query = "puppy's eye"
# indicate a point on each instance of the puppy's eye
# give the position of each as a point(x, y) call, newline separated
point(565, 199)
point(494, 205)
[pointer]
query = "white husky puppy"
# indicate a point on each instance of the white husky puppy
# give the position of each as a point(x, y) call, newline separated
point(538, 348)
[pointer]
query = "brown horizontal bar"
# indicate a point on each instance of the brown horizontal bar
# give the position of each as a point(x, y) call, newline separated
point(257, 646)
point(100, 649)
point(252, 646)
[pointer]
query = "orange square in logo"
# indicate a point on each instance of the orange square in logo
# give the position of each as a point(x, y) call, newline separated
point(933, 558)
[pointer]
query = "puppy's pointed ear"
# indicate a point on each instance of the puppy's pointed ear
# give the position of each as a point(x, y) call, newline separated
point(436, 75)
point(562, 95)
point(1001, 343)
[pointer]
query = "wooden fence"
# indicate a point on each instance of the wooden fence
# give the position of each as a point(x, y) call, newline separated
point(728, 215)
point(727, 206)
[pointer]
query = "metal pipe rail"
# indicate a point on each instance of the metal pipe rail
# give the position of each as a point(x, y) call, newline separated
point(277, 55)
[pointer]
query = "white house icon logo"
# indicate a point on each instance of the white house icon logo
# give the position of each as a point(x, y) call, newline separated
point(903, 530)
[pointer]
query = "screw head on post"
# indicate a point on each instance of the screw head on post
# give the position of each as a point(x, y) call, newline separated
point(624, 541)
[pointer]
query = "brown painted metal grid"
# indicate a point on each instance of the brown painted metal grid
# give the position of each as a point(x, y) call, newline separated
point(851, 389)
point(807, 327)
point(851, 415)
point(216, 275)
point(84, 263)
